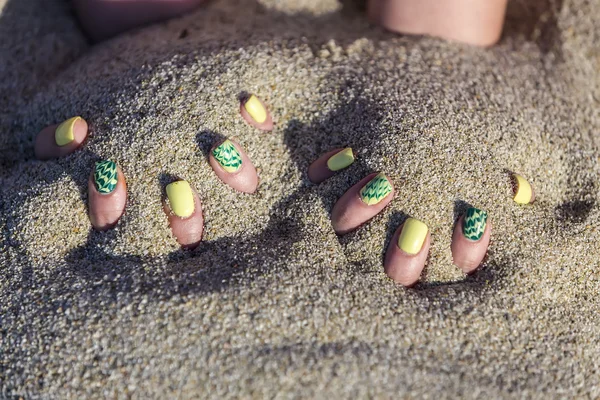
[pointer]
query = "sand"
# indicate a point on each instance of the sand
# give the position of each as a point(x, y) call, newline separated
point(273, 303)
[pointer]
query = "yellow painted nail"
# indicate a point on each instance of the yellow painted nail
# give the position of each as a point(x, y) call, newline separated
point(181, 198)
point(64, 133)
point(256, 109)
point(523, 192)
point(341, 160)
point(412, 236)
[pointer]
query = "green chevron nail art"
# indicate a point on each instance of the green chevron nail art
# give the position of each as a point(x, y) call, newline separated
point(228, 156)
point(105, 176)
point(376, 190)
point(474, 223)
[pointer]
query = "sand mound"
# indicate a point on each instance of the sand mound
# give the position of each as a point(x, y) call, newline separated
point(273, 301)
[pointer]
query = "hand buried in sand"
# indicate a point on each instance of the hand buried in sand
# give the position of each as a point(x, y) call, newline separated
point(408, 250)
point(107, 190)
point(477, 22)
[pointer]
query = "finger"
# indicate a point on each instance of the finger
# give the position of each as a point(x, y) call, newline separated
point(255, 112)
point(184, 211)
point(524, 193)
point(107, 192)
point(57, 141)
point(233, 167)
point(470, 239)
point(407, 252)
point(361, 203)
point(329, 163)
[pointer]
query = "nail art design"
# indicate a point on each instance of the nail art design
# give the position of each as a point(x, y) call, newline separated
point(376, 190)
point(228, 156)
point(181, 198)
point(256, 109)
point(412, 237)
point(474, 223)
point(105, 176)
point(64, 132)
point(341, 160)
point(523, 190)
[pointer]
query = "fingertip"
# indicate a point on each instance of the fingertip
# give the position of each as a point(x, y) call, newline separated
point(80, 131)
point(233, 166)
point(329, 163)
point(361, 202)
point(255, 112)
point(59, 140)
point(187, 226)
point(402, 267)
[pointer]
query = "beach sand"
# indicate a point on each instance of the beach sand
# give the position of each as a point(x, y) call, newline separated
point(273, 303)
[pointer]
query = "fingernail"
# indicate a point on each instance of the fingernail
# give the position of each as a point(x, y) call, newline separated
point(341, 160)
point(412, 236)
point(64, 132)
point(523, 191)
point(105, 176)
point(474, 223)
point(228, 156)
point(256, 110)
point(181, 198)
point(376, 190)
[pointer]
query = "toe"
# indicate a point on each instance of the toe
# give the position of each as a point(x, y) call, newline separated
point(255, 112)
point(184, 211)
point(107, 193)
point(361, 203)
point(329, 163)
point(58, 141)
point(233, 167)
point(471, 239)
point(407, 252)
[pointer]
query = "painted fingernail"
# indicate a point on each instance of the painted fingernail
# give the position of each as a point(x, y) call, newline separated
point(181, 198)
point(412, 236)
point(474, 223)
point(523, 190)
point(105, 176)
point(228, 156)
point(64, 132)
point(256, 109)
point(341, 160)
point(376, 190)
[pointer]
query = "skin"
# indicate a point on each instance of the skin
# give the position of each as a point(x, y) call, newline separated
point(102, 19)
point(350, 211)
point(467, 254)
point(188, 231)
point(244, 180)
point(318, 170)
point(45, 144)
point(476, 22)
point(265, 126)
point(105, 210)
point(402, 267)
